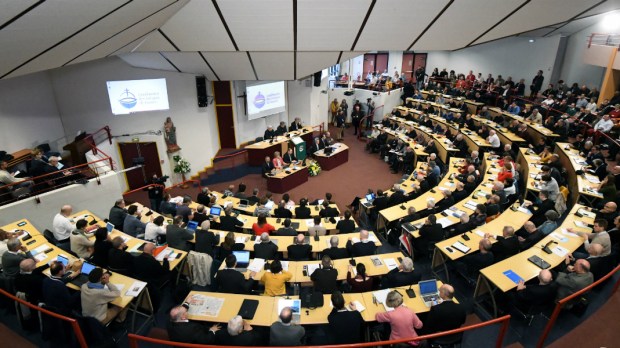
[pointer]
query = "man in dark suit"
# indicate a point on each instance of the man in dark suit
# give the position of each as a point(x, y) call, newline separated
point(448, 315)
point(506, 246)
point(177, 236)
point(118, 214)
point(231, 281)
point(30, 281)
point(302, 212)
point(317, 145)
point(55, 291)
point(430, 233)
point(120, 260)
point(206, 241)
point(254, 198)
point(11, 258)
point(229, 222)
point(328, 211)
point(289, 156)
point(397, 197)
point(347, 225)
point(299, 250)
point(286, 229)
point(148, 269)
point(446, 202)
point(335, 252)
point(282, 212)
point(200, 215)
point(412, 215)
point(325, 278)
point(267, 166)
point(403, 275)
point(539, 209)
point(476, 261)
point(364, 247)
point(238, 333)
point(296, 125)
point(529, 235)
point(241, 191)
point(538, 294)
point(180, 329)
point(380, 203)
point(269, 133)
point(266, 249)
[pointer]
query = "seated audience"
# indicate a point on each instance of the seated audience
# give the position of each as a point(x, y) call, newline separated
point(285, 333)
point(275, 280)
point(206, 241)
point(403, 321)
point(300, 250)
point(266, 249)
point(364, 247)
point(262, 226)
point(181, 329)
point(345, 326)
point(334, 251)
point(81, 244)
point(96, 294)
point(231, 281)
point(177, 236)
point(119, 260)
point(325, 278)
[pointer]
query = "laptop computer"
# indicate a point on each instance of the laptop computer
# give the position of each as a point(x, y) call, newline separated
point(429, 292)
point(215, 211)
point(82, 278)
point(243, 260)
point(243, 203)
point(192, 225)
point(63, 260)
point(109, 226)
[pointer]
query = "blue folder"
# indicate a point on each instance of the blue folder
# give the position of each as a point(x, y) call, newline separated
point(513, 276)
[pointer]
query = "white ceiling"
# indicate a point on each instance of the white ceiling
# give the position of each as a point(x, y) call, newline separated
point(265, 39)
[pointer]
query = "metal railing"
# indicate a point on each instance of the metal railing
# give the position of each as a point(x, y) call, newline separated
point(562, 303)
point(503, 321)
point(604, 39)
point(74, 324)
point(46, 182)
point(363, 121)
point(97, 138)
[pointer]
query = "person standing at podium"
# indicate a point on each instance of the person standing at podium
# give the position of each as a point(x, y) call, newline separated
point(269, 133)
point(278, 163)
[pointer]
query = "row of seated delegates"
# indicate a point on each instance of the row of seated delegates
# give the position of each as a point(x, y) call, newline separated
point(344, 323)
point(270, 133)
point(278, 162)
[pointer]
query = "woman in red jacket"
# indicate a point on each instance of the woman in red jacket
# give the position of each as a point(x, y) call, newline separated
point(506, 172)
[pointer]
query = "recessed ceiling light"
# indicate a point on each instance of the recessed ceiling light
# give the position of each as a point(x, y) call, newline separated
point(531, 40)
point(611, 21)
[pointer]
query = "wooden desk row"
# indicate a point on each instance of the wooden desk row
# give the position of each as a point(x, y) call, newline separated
point(493, 277)
point(284, 242)
point(580, 186)
point(267, 311)
point(249, 210)
point(39, 241)
point(535, 131)
point(342, 265)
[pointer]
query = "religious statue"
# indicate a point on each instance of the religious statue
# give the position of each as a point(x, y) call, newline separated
point(170, 135)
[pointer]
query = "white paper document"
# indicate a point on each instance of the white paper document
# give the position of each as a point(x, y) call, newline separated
point(311, 268)
point(205, 305)
point(256, 265)
point(445, 222)
point(135, 288)
point(390, 263)
point(560, 251)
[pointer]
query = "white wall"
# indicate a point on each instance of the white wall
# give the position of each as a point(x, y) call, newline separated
point(513, 56)
point(574, 69)
point(395, 62)
point(98, 198)
point(357, 67)
point(28, 113)
point(83, 103)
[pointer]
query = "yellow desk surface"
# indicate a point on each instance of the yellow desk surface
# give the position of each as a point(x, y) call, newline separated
point(280, 139)
point(249, 210)
point(132, 242)
point(474, 141)
point(502, 132)
point(342, 265)
point(527, 270)
point(28, 227)
point(265, 313)
point(284, 241)
point(39, 240)
point(578, 162)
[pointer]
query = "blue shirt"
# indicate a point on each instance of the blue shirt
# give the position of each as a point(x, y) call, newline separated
point(515, 110)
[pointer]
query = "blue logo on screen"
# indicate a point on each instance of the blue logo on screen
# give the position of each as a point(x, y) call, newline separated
point(259, 100)
point(128, 100)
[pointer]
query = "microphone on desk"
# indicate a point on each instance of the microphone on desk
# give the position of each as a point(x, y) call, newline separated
point(94, 221)
point(410, 291)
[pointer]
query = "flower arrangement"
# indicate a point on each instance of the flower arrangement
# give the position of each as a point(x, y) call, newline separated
point(182, 166)
point(314, 168)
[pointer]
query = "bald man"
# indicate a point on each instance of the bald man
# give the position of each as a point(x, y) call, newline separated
point(529, 236)
point(148, 269)
point(180, 329)
point(300, 250)
point(536, 294)
point(447, 315)
point(62, 226)
point(30, 281)
point(482, 259)
point(574, 278)
point(284, 333)
point(362, 248)
point(599, 264)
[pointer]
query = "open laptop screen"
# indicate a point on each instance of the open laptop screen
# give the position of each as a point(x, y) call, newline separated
point(243, 257)
point(215, 211)
point(428, 287)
